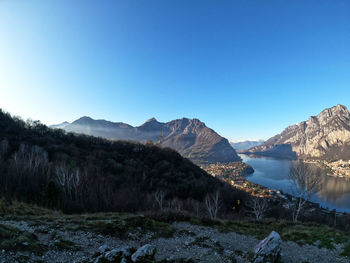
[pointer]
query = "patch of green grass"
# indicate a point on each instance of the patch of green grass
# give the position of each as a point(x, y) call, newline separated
point(63, 244)
point(310, 234)
point(159, 225)
point(15, 208)
point(118, 225)
point(53, 234)
point(7, 232)
point(13, 239)
point(346, 250)
point(297, 232)
point(250, 256)
point(114, 224)
point(170, 216)
point(21, 258)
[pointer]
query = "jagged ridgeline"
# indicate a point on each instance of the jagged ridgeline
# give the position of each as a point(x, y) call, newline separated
point(325, 136)
point(190, 137)
point(76, 173)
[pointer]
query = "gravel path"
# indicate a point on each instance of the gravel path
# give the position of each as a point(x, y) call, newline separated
point(199, 243)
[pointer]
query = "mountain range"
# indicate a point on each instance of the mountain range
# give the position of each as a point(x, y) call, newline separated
point(325, 136)
point(245, 145)
point(190, 137)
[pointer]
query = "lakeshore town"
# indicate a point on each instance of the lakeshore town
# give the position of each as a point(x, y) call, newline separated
point(234, 173)
point(338, 168)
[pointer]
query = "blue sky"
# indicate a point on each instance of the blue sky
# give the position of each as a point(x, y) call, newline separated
point(246, 68)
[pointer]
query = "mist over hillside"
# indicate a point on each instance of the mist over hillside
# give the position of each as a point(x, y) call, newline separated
point(190, 137)
point(245, 145)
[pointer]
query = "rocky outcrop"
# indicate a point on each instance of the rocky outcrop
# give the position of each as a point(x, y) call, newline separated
point(269, 249)
point(190, 137)
point(325, 136)
point(144, 254)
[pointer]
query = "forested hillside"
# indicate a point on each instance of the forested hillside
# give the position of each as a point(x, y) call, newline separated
point(78, 173)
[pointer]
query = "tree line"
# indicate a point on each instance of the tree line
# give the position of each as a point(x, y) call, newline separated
point(79, 173)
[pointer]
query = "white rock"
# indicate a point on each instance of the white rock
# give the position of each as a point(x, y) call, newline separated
point(144, 251)
point(117, 252)
point(103, 248)
point(268, 250)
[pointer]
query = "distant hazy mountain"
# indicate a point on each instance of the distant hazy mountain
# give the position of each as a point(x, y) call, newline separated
point(190, 137)
point(244, 145)
point(325, 136)
point(60, 126)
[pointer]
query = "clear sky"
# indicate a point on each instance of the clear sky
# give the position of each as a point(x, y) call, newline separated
point(246, 68)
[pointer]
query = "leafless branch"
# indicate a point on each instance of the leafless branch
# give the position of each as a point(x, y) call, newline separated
point(306, 180)
point(212, 203)
point(259, 206)
point(159, 196)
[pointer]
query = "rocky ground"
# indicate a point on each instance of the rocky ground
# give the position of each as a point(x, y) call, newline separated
point(59, 238)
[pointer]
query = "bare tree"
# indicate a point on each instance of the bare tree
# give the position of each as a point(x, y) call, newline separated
point(175, 204)
point(259, 206)
point(30, 157)
point(68, 180)
point(306, 180)
point(159, 196)
point(212, 203)
point(196, 206)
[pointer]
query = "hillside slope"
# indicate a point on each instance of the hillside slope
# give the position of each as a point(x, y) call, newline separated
point(53, 237)
point(85, 173)
point(325, 136)
point(190, 137)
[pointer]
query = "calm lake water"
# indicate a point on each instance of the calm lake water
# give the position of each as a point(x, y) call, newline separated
point(273, 173)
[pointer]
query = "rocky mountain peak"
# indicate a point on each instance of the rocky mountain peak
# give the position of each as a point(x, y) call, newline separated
point(326, 135)
point(152, 120)
point(84, 120)
point(151, 125)
point(190, 137)
point(339, 111)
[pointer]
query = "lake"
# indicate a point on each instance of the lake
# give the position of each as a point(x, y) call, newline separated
point(273, 173)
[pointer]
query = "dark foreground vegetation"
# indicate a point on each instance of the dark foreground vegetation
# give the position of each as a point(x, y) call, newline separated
point(78, 173)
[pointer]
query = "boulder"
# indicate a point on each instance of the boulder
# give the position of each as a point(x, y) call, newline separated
point(268, 250)
point(114, 256)
point(102, 249)
point(117, 253)
point(144, 254)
